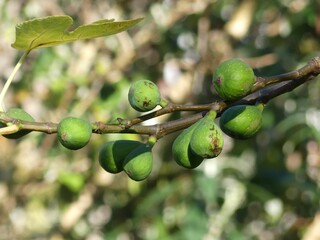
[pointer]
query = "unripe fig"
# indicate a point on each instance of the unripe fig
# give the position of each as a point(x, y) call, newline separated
point(20, 114)
point(112, 154)
point(144, 95)
point(233, 79)
point(138, 163)
point(241, 121)
point(74, 133)
point(181, 150)
point(207, 139)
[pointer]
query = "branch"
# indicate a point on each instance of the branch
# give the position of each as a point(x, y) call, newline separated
point(263, 91)
point(312, 69)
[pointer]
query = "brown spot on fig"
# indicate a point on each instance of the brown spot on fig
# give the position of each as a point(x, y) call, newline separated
point(64, 136)
point(238, 79)
point(148, 84)
point(214, 147)
point(146, 103)
point(218, 80)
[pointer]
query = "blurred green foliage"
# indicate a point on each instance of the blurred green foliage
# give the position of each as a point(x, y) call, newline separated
point(263, 188)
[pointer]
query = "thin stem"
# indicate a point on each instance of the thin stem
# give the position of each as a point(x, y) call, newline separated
point(9, 80)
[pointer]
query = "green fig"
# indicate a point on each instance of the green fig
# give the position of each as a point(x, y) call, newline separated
point(241, 121)
point(233, 79)
point(138, 163)
point(112, 154)
point(19, 114)
point(74, 133)
point(207, 138)
point(144, 95)
point(181, 150)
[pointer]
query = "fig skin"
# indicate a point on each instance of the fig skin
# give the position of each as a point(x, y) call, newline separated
point(181, 151)
point(207, 139)
point(144, 95)
point(138, 164)
point(241, 121)
point(112, 154)
point(74, 133)
point(233, 79)
point(19, 114)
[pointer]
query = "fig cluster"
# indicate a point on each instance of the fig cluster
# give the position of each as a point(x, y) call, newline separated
point(133, 157)
point(203, 139)
point(232, 80)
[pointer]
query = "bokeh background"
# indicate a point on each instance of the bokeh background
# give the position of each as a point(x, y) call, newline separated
point(264, 188)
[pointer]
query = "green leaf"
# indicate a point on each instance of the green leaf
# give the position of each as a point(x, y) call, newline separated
point(53, 30)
